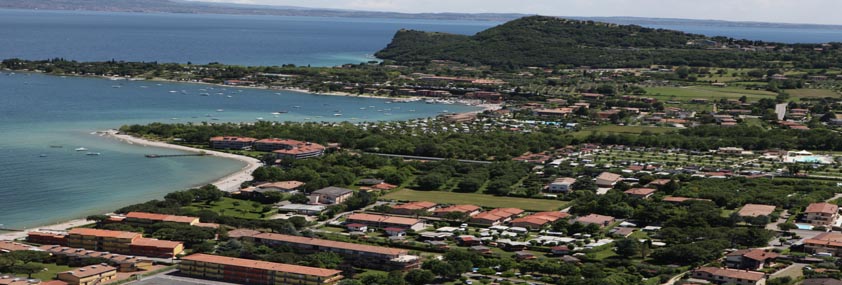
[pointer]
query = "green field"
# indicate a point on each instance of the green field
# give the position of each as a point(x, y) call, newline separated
point(705, 92)
point(233, 208)
point(476, 199)
point(813, 93)
point(615, 129)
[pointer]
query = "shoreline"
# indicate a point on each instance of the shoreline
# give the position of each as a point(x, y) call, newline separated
point(228, 183)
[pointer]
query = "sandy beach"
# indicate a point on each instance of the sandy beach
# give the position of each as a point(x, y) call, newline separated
point(59, 228)
point(228, 183)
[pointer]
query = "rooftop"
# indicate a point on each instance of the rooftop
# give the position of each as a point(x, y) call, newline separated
point(383, 219)
point(156, 243)
point(333, 191)
point(161, 217)
point(822, 208)
point(91, 270)
point(733, 273)
point(640, 191)
point(332, 244)
point(104, 233)
point(421, 205)
point(271, 266)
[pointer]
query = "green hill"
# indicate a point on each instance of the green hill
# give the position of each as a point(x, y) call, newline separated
point(550, 41)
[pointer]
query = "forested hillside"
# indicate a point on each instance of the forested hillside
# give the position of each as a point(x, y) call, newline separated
point(550, 41)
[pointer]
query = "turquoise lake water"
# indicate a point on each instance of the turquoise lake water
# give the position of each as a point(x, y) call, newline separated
point(40, 111)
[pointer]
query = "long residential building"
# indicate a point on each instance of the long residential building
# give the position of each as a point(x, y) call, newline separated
point(124, 263)
point(122, 243)
point(381, 222)
point(829, 242)
point(232, 142)
point(729, 276)
point(151, 218)
point(286, 148)
point(247, 271)
point(369, 256)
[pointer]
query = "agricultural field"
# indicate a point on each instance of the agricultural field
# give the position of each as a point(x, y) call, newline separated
point(688, 93)
point(483, 200)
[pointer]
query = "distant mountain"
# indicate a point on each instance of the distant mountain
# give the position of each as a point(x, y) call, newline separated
point(553, 42)
point(175, 6)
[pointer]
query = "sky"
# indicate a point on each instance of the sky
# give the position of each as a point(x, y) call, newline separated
point(778, 11)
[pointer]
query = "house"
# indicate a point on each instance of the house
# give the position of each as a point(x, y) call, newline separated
point(674, 199)
point(622, 232)
point(751, 259)
point(481, 249)
point(413, 208)
point(538, 220)
point(356, 227)
point(379, 221)
point(524, 255)
point(596, 219)
point(730, 151)
point(282, 187)
point(466, 210)
point(640, 193)
point(561, 185)
point(729, 276)
point(821, 214)
point(239, 143)
point(560, 250)
point(331, 195)
point(608, 179)
point(247, 271)
point(496, 216)
point(756, 210)
point(10, 246)
point(89, 275)
point(830, 242)
point(395, 232)
point(468, 240)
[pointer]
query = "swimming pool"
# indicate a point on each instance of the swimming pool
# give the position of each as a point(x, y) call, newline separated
point(804, 226)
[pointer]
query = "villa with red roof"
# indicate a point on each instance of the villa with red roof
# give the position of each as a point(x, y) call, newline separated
point(382, 222)
point(290, 149)
point(413, 208)
point(496, 216)
point(468, 210)
point(830, 242)
point(232, 142)
point(538, 220)
point(640, 193)
point(729, 276)
point(821, 214)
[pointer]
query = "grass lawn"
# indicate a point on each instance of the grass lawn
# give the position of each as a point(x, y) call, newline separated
point(812, 93)
point(50, 273)
point(705, 92)
point(615, 129)
point(476, 199)
point(233, 208)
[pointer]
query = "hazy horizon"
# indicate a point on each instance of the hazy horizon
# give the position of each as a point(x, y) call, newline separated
point(772, 11)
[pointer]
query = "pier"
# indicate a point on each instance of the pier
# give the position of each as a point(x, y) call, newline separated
point(174, 155)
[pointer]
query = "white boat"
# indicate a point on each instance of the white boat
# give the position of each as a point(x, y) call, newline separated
point(93, 153)
point(260, 118)
point(81, 149)
point(220, 110)
point(337, 115)
point(276, 113)
point(43, 155)
point(173, 91)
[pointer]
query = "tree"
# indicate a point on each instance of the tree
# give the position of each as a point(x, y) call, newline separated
point(432, 181)
point(27, 256)
point(419, 277)
point(627, 247)
point(787, 226)
point(584, 183)
point(28, 269)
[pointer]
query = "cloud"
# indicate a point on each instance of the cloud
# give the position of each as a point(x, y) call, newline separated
point(803, 11)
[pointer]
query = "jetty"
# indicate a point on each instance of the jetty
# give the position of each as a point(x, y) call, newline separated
point(174, 155)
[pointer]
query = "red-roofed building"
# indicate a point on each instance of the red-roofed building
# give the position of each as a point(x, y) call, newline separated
point(674, 199)
point(830, 242)
point(247, 271)
point(46, 238)
point(156, 248)
point(729, 276)
point(756, 210)
point(752, 259)
point(151, 218)
point(599, 220)
point(379, 221)
point(368, 256)
point(232, 142)
point(467, 210)
point(608, 179)
point(538, 220)
point(413, 208)
point(496, 216)
point(640, 193)
point(285, 148)
point(821, 214)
